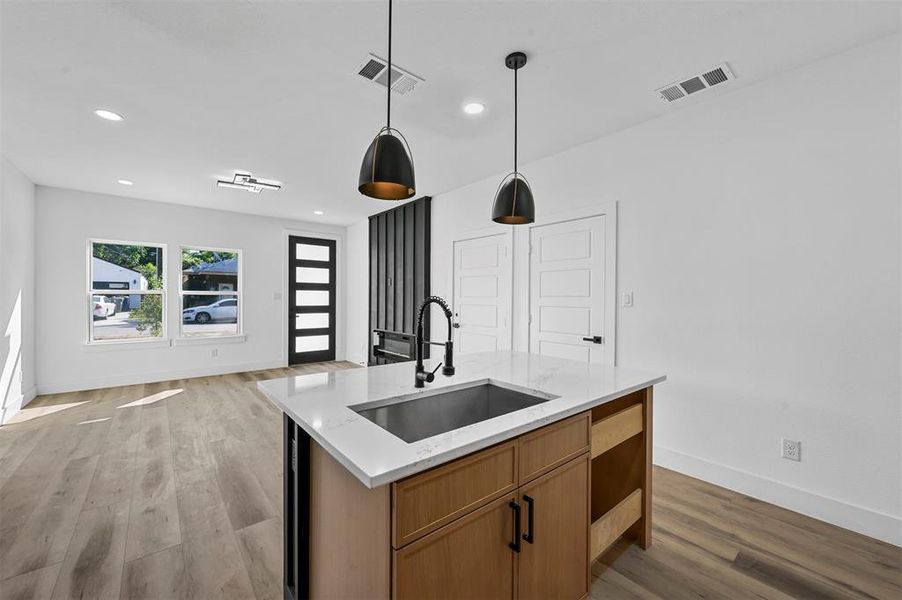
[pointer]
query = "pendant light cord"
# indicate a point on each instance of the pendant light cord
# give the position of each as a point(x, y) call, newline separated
point(515, 120)
point(388, 78)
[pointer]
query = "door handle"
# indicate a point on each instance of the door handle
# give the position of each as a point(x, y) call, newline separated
point(595, 339)
point(530, 535)
point(515, 545)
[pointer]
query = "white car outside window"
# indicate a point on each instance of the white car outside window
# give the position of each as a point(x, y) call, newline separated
point(102, 307)
point(223, 310)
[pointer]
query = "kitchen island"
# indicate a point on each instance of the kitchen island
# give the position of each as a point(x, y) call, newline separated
point(516, 505)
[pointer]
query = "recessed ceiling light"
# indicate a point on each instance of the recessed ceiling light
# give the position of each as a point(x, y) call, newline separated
point(318, 212)
point(108, 114)
point(125, 182)
point(474, 108)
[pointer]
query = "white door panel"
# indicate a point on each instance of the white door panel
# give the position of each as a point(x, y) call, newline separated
point(479, 286)
point(574, 320)
point(567, 289)
point(478, 257)
point(572, 283)
point(478, 315)
point(470, 341)
point(482, 293)
point(569, 245)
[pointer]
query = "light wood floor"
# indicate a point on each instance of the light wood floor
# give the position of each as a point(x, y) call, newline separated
point(173, 490)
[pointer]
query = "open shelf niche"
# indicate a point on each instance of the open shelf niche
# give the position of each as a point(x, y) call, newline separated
point(621, 472)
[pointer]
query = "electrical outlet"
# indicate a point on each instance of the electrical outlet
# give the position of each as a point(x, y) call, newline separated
point(214, 352)
point(792, 450)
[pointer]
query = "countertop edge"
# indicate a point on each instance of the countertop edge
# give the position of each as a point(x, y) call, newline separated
point(396, 474)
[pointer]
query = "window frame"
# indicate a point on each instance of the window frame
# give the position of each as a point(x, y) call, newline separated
point(237, 294)
point(91, 292)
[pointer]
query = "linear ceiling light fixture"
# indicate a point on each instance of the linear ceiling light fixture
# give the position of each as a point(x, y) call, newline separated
point(244, 181)
point(387, 169)
point(514, 204)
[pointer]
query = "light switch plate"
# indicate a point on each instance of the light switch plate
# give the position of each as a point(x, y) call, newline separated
point(626, 299)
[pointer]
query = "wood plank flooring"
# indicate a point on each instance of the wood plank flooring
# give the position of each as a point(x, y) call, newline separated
point(173, 490)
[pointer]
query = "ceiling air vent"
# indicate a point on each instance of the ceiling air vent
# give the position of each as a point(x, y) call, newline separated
point(375, 69)
point(696, 83)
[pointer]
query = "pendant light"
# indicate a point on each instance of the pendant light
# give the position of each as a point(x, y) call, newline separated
point(387, 169)
point(514, 204)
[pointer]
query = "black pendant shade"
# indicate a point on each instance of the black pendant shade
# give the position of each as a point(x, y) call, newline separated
point(386, 172)
point(387, 169)
point(514, 204)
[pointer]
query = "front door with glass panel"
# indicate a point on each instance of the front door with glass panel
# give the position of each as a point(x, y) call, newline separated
point(311, 300)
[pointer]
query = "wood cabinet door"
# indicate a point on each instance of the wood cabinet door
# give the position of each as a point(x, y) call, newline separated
point(468, 558)
point(554, 555)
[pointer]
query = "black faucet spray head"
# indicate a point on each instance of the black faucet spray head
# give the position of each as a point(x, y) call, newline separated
point(448, 368)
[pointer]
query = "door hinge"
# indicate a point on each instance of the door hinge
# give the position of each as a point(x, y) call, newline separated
point(294, 456)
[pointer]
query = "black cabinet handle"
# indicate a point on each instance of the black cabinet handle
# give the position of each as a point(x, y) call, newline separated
point(515, 545)
point(530, 535)
point(595, 339)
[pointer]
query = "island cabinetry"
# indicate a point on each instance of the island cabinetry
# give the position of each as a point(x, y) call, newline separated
point(524, 529)
point(469, 558)
point(553, 561)
point(427, 501)
point(521, 520)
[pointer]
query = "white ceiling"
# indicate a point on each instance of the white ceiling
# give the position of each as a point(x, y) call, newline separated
point(208, 88)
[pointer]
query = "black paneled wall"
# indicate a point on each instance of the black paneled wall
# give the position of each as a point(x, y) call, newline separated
point(399, 267)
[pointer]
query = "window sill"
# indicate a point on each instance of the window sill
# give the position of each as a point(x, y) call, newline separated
point(210, 340)
point(111, 345)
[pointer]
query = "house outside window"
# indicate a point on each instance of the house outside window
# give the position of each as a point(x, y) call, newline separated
point(210, 292)
point(126, 291)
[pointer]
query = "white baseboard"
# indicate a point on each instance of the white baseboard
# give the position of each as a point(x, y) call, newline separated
point(139, 378)
point(17, 404)
point(29, 395)
point(865, 521)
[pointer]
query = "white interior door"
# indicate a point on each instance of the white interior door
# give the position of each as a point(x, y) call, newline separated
point(567, 290)
point(482, 293)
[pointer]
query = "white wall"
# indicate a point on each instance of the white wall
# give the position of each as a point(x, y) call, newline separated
point(760, 234)
point(66, 219)
point(17, 238)
point(358, 271)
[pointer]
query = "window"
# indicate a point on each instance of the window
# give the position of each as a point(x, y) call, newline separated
point(210, 292)
point(127, 291)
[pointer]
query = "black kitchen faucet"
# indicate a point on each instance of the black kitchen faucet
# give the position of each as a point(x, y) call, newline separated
point(422, 376)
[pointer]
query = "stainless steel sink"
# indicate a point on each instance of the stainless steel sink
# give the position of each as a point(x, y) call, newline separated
point(436, 413)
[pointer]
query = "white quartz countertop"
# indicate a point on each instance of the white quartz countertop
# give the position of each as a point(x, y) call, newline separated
point(322, 405)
